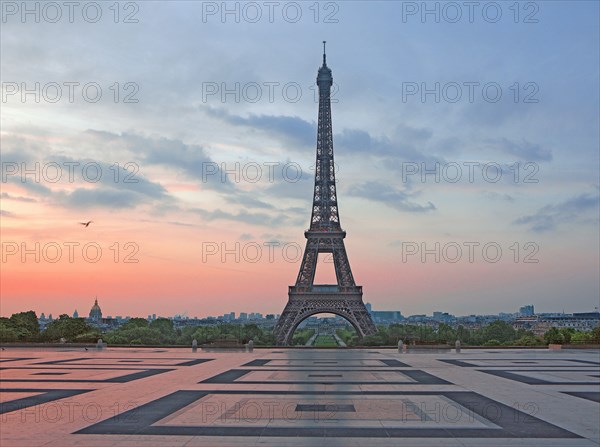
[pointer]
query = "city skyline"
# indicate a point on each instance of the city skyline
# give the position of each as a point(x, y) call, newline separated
point(196, 117)
point(238, 313)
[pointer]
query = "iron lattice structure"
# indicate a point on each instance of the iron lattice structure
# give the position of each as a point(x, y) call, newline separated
point(325, 235)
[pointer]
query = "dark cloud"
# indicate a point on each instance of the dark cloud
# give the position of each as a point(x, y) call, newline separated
point(291, 128)
point(384, 193)
point(550, 216)
point(406, 145)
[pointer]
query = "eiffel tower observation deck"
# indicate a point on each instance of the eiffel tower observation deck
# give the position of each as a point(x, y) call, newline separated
point(325, 235)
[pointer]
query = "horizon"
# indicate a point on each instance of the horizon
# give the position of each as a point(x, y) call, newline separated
point(237, 313)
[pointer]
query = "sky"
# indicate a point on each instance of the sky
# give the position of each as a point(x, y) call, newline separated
point(466, 143)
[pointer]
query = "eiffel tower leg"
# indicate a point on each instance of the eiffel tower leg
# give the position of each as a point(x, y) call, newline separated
point(301, 307)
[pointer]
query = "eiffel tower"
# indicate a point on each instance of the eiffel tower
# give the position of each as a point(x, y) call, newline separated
point(325, 235)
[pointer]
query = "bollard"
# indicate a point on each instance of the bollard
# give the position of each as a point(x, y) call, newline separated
point(457, 346)
point(99, 344)
point(250, 346)
point(194, 345)
point(400, 346)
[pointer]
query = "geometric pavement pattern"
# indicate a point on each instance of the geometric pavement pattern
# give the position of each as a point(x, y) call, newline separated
point(297, 396)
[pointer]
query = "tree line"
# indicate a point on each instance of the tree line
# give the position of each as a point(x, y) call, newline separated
point(497, 333)
point(24, 327)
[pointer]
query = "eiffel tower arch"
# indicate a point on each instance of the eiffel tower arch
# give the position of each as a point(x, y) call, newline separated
point(325, 235)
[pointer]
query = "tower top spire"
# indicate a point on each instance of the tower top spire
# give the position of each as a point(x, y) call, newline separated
point(324, 78)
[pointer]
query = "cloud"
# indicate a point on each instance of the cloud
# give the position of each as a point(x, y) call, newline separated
point(170, 222)
point(492, 195)
point(101, 197)
point(401, 147)
point(524, 150)
point(29, 184)
point(291, 128)
point(296, 186)
point(79, 183)
point(5, 213)
point(400, 200)
point(551, 216)
point(191, 159)
point(248, 200)
point(259, 219)
point(406, 143)
point(8, 196)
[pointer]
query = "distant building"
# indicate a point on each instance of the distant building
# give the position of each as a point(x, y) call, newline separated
point(443, 317)
point(386, 316)
point(582, 321)
point(75, 314)
point(96, 313)
point(527, 311)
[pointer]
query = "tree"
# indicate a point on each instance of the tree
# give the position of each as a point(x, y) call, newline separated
point(134, 335)
point(528, 340)
point(567, 332)
point(445, 334)
point(164, 325)
point(301, 336)
point(251, 332)
point(554, 336)
point(71, 329)
point(581, 337)
point(26, 325)
point(499, 331)
point(165, 328)
point(463, 334)
point(135, 322)
point(8, 332)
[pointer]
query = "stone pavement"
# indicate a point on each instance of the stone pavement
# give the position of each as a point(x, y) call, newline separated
point(279, 397)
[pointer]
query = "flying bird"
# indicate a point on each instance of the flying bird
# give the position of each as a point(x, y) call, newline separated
point(86, 224)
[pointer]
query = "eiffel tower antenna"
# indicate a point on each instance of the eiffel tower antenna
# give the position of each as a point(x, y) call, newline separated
point(325, 235)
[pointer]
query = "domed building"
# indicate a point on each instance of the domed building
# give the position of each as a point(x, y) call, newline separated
point(95, 312)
